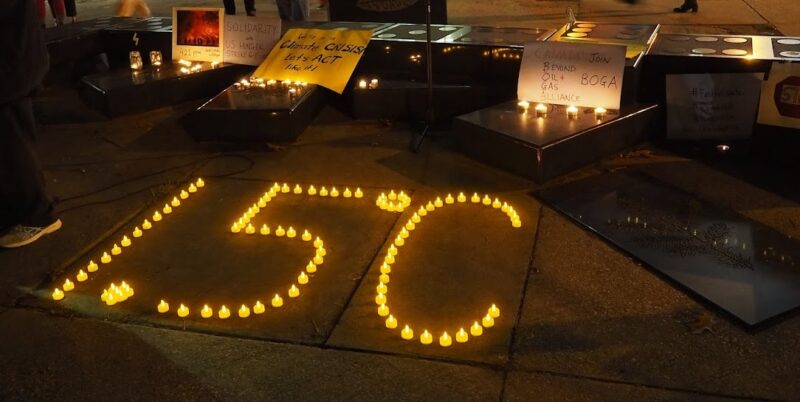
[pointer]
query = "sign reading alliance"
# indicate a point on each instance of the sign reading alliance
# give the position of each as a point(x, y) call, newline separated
point(318, 56)
point(577, 74)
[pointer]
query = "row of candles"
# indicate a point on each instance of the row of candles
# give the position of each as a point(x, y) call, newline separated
point(382, 289)
point(368, 84)
point(82, 276)
point(293, 88)
point(542, 110)
point(156, 60)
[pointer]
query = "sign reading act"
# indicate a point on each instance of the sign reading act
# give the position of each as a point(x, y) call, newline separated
point(586, 75)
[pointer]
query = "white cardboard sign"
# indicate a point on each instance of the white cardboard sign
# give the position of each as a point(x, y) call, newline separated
point(248, 40)
point(586, 75)
point(712, 106)
point(780, 96)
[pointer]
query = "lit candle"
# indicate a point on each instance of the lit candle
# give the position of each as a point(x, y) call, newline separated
point(125, 241)
point(599, 113)
point(415, 218)
point(235, 228)
point(504, 208)
point(488, 321)
point(57, 294)
point(389, 259)
point(294, 291)
point(291, 233)
point(541, 110)
point(146, 225)
point(207, 312)
point(244, 311)
point(334, 192)
point(297, 189)
point(386, 268)
point(92, 266)
point(572, 112)
point(426, 338)
point(399, 241)
point(523, 106)
point(321, 252)
point(259, 307)
point(383, 310)
point(445, 340)
point(476, 329)
point(224, 312)
point(167, 209)
point(404, 233)
point(373, 84)
point(391, 322)
point(285, 188)
point(317, 259)
point(362, 84)
point(494, 311)
point(347, 193)
point(280, 231)
point(311, 268)
point(184, 195)
point(323, 192)
point(277, 301)
point(116, 250)
point(449, 199)
point(438, 202)
point(380, 299)
point(486, 200)
point(192, 188)
point(200, 183)
point(163, 307)
point(312, 190)
point(516, 223)
point(318, 242)
point(496, 204)
point(264, 229)
point(475, 198)
point(358, 193)
point(410, 225)
point(82, 276)
point(407, 333)
point(250, 229)
point(429, 207)
point(105, 259)
point(461, 336)
point(382, 288)
point(183, 311)
point(302, 278)
point(156, 217)
point(384, 278)
point(137, 232)
point(68, 285)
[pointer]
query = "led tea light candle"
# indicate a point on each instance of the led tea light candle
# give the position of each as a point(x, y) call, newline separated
point(192, 188)
point(285, 188)
point(236, 228)
point(445, 340)
point(125, 242)
point(392, 250)
point(323, 192)
point(306, 236)
point(264, 229)
point(259, 307)
point(386, 268)
point(384, 278)
point(334, 192)
point(146, 225)
point(302, 278)
point(183, 311)
point(461, 336)
point(167, 209)
point(429, 207)
point(184, 195)
point(57, 294)
point(407, 333)
point(389, 259)
point(92, 266)
point(155, 58)
point(380, 299)
point(373, 84)
point(382, 288)
point(475, 198)
point(277, 301)
point(486, 200)
point(383, 310)
point(391, 322)
point(136, 60)
point(317, 259)
point(244, 311)
point(422, 211)
point(426, 338)
point(297, 189)
point(347, 193)
point(399, 241)
point(105, 259)
point(415, 218)
point(294, 291)
point(449, 199)
point(312, 190)
point(438, 203)
point(116, 250)
point(291, 233)
point(572, 112)
point(224, 312)
point(162, 307)
point(137, 232)
point(476, 329)
point(82, 276)
point(599, 113)
point(206, 311)
point(362, 84)
point(494, 311)
point(496, 204)
point(488, 321)
point(68, 285)
point(311, 268)
point(200, 183)
point(541, 110)
point(321, 251)
point(359, 193)
point(461, 197)
point(249, 229)
point(280, 231)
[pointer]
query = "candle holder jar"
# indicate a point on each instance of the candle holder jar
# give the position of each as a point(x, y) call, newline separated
point(155, 58)
point(136, 60)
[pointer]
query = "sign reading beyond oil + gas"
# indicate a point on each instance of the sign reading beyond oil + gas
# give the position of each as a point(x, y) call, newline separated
point(318, 56)
point(587, 75)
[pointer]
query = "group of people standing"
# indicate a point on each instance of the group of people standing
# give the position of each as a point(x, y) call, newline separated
point(289, 10)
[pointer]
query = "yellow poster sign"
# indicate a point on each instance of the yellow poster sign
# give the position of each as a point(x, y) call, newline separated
point(318, 56)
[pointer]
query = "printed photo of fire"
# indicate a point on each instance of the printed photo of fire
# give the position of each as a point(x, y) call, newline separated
point(198, 28)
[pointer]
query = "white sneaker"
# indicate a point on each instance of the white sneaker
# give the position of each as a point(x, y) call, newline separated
point(18, 236)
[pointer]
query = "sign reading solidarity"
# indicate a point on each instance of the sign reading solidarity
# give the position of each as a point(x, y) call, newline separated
point(248, 40)
point(318, 56)
point(576, 74)
point(780, 96)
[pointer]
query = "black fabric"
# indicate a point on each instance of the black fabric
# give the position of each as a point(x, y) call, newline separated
point(69, 6)
point(230, 6)
point(23, 197)
point(23, 55)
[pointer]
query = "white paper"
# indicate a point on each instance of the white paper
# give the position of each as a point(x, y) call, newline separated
point(710, 106)
point(248, 40)
point(587, 75)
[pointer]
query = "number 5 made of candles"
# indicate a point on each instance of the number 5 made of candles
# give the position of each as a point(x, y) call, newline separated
point(393, 202)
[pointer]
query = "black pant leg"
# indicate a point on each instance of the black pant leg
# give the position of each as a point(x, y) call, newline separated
point(72, 10)
point(250, 5)
point(230, 7)
point(23, 196)
point(284, 9)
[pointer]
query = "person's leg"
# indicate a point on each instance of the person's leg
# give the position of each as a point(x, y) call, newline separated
point(284, 9)
point(142, 9)
point(24, 199)
point(688, 5)
point(300, 10)
point(72, 10)
point(250, 7)
point(41, 11)
point(58, 10)
point(230, 7)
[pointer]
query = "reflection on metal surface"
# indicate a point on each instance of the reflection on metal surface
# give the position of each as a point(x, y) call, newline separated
point(742, 266)
point(735, 40)
point(790, 53)
point(789, 41)
point(734, 52)
point(706, 39)
point(703, 50)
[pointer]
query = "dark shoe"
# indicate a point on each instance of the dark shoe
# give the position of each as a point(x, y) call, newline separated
point(18, 236)
point(687, 5)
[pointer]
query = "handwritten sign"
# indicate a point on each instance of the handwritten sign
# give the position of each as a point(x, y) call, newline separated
point(248, 40)
point(710, 106)
point(780, 96)
point(318, 56)
point(587, 75)
point(197, 33)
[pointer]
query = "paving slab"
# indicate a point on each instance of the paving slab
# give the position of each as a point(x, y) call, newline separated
point(84, 359)
point(522, 386)
point(456, 263)
point(591, 311)
point(191, 257)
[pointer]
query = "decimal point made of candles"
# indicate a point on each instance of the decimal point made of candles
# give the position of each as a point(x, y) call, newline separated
point(115, 294)
point(390, 321)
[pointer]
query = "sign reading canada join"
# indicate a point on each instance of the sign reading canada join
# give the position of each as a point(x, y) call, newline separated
point(318, 56)
point(780, 96)
point(197, 33)
point(248, 40)
point(586, 75)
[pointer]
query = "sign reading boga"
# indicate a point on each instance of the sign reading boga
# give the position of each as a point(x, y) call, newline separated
point(584, 75)
point(318, 56)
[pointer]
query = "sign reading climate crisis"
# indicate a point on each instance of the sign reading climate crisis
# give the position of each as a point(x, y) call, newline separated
point(578, 74)
point(318, 56)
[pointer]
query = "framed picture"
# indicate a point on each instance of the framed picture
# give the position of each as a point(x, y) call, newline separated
point(197, 33)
